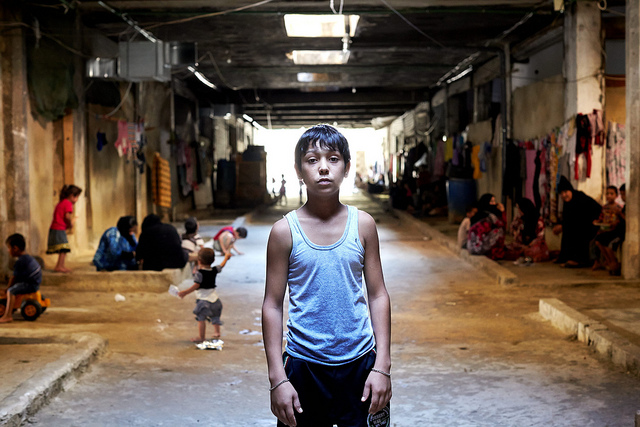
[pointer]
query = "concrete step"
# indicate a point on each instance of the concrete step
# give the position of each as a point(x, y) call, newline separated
point(121, 281)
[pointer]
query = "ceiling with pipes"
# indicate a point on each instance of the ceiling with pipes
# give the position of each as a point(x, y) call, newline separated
point(399, 52)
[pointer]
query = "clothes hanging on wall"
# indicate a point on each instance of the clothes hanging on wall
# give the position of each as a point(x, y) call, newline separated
point(122, 143)
point(475, 161)
point(530, 168)
point(512, 181)
point(101, 137)
point(439, 160)
point(616, 154)
point(448, 149)
point(583, 143)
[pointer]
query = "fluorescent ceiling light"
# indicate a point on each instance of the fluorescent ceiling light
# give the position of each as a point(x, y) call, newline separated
point(318, 77)
point(459, 76)
point(320, 57)
point(201, 77)
point(320, 25)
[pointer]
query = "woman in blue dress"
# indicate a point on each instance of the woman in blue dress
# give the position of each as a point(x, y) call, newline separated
point(117, 247)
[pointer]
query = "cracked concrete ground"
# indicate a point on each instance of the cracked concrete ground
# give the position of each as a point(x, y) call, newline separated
point(466, 351)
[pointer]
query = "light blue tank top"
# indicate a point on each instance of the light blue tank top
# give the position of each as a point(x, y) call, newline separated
point(328, 314)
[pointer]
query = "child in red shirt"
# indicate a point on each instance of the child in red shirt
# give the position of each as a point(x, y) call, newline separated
point(62, 221)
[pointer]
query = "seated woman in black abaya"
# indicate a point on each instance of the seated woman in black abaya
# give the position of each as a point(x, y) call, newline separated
point(577, 228)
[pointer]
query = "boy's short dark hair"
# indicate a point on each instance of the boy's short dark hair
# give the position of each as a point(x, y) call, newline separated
point(324, 136)
point(471, 207)
point(206, 256)
point(17, 240)
point(614, 188)
point(242, 232)
point(191, 225)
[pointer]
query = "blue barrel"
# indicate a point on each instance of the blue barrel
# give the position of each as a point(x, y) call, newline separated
point(461, 193)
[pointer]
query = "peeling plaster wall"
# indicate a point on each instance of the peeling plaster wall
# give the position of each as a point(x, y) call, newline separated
point(111, 189)
point(42, 192)
point(116, 186)
point(538, 108)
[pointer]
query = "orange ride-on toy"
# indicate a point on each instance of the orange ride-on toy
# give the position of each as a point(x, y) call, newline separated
point(31, 305)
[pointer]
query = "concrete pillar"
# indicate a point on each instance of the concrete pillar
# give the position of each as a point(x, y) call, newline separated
point(583, 70)
point(14, 154)
point(631, 248)
point(583, 58)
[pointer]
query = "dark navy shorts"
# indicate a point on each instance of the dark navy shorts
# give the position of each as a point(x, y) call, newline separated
point(330, 395)
point(23, 288)
point(206, 310)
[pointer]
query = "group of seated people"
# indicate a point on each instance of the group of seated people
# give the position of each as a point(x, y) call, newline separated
point(159, 245)
point(591, 233)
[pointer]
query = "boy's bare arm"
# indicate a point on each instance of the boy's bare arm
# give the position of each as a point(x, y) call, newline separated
point(378, 386)
point(284, 398)
point(186, 292)
point(224, 261)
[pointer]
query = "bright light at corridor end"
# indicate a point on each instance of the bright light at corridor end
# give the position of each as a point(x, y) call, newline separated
point(320, 25)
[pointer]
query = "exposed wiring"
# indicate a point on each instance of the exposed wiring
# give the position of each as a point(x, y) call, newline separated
point(124, 98)
point(215, 65)
point(38, 32)
point(133, 24)
point(508, 31)
point(411, 24)
point(333, 8)
point(208, 15)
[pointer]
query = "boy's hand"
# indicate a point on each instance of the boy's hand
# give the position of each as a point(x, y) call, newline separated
point(182, 294)
point(378, 387)
point(284, 404)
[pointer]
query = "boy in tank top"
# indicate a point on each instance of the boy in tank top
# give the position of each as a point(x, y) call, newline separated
point(337, 360)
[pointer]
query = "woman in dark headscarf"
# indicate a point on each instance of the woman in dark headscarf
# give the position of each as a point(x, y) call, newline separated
point(160, 245)
point(116, 250)
point(578, 213)
point(486, 234)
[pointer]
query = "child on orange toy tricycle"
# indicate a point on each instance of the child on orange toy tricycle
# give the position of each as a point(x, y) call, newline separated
point(23, 290)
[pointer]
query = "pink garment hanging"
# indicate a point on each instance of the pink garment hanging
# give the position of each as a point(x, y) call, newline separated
point(121, 143)
point(531, 171)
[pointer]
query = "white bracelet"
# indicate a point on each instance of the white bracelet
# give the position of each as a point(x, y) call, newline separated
point(286, 380)
point(386, 374)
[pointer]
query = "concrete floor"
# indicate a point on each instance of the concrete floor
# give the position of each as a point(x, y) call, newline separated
point(466, 351)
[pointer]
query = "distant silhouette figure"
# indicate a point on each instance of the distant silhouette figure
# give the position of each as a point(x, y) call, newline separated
point(283, 191)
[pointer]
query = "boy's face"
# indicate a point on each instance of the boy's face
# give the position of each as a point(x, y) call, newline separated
point(13, 250)
point(472, 212)
point(322, 169)
point(611, 195)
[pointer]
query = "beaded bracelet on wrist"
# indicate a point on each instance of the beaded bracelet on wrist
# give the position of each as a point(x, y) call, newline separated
point(279, 384)
point(386, 374)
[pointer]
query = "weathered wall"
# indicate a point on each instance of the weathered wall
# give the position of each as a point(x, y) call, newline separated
point(538, 108)
point(43, 195)
point(111, 189)
point(615, 109)
point(155, 109)
point(116, 187)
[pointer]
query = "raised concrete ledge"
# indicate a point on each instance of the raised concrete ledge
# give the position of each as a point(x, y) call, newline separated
point(502, 275)
point(597, 336)
point(123, 281)
point(52, 378)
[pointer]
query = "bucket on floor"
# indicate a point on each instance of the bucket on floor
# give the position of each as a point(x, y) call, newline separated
point(461, 193)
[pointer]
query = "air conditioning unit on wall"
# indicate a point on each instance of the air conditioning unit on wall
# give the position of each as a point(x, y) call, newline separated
point(140, 61)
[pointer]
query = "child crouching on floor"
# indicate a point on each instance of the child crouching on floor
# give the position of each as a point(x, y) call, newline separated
point(208, 305)
point(27, 274)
